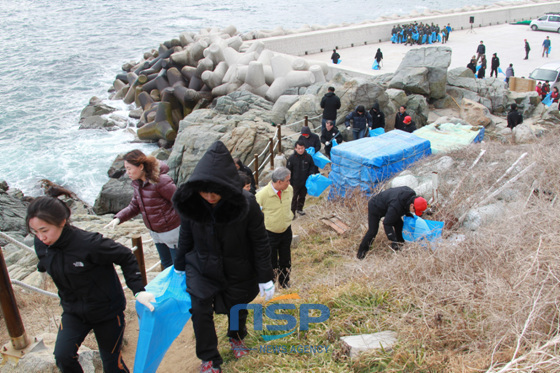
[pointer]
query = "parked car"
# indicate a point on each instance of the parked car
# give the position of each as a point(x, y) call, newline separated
point(548, 22)
point(549, 71)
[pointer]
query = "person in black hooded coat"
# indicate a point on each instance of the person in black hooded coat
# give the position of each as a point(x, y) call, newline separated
point(223, 248)
point(377, 116)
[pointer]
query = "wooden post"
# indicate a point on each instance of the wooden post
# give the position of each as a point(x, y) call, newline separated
point(256, 169)
point(10, 310)
point(139, 254)
point(279, 139)
point(271, 149)
point(306, 121)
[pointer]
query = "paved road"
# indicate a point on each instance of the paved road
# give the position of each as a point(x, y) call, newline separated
point(506, 40)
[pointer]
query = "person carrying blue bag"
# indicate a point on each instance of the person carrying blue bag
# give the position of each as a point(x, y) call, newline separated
point(330, 136)
point(392, 204)
point(224, 251)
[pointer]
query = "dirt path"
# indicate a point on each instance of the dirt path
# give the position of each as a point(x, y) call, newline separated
point(180, 357)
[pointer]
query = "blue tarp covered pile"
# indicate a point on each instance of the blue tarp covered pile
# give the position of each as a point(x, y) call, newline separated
point(364, 163)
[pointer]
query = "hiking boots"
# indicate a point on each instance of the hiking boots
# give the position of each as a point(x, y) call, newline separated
point(208, 367)
point(238, 347)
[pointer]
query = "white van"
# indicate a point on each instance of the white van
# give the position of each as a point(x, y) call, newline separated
point(548, 22)
point(549, 71)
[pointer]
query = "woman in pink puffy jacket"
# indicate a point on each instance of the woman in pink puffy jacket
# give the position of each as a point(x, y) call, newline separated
point(153, 190)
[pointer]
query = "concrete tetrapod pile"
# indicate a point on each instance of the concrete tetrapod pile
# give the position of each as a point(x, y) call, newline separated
point(189, 72)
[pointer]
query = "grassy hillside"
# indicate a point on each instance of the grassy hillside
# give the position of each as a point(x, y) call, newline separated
point(484, 300)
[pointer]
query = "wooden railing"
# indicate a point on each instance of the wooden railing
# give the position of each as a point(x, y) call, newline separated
point(274, 146)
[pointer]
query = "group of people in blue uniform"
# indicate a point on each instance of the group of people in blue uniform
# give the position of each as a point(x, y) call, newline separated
point(419, 33)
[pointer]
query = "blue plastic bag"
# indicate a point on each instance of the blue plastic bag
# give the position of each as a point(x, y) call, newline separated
point(334, 143)
point(316, 184)
point(547, 100)
point(319, 159)
point(376, 132)
point(158, 329)
point(417, 229)
point(375, 65)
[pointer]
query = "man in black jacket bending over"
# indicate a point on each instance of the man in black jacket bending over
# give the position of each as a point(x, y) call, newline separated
point(392, 204)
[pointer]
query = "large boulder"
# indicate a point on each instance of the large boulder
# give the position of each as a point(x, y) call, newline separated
point(417, 107)
point(240, 102)
point(97, 115)
point(307, 105)
point(423, 71)
point(490, 92)
point(96, 107)
point(551, 114)
point(523, 134)
point(12, 213)
point(526, 102)
point(462, 77)
point(115, 195)
point(241, 120)
point(413, 80)
point(496, 90)
point(475, 114)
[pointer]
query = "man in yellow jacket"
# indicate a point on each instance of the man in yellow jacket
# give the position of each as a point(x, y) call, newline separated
point(275, 200)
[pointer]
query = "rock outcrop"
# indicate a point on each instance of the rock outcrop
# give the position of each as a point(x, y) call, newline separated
point(423, 71)
point(117, 192)
point(12, 211)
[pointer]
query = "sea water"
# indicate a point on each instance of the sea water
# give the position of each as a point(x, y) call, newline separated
point(55, 55)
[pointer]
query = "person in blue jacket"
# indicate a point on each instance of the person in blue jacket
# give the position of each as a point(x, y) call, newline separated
point(546, 46)
point(361, 122)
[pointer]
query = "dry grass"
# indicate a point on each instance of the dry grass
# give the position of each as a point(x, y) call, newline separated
point(485, 302)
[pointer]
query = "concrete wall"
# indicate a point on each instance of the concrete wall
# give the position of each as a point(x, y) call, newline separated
point(347, 37)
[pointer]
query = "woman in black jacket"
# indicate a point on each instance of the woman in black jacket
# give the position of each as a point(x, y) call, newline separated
point(91, 295)
point(224, 250)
